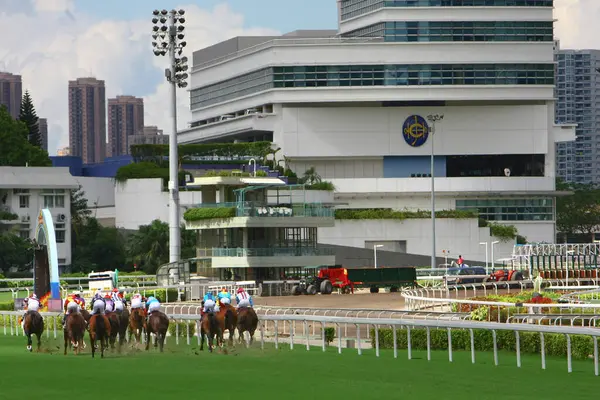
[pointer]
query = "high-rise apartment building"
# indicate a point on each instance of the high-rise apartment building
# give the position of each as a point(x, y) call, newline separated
point(125, 119)
point(43, 127)
point(87, 119)
point(578, 102)
point(11, 92)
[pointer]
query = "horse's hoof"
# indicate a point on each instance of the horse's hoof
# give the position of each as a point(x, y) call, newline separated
point(29, 348)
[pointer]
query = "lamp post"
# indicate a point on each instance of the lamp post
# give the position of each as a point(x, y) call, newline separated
point(167, 36)
point(433, 118)
point(492, 246)
point(486, 254)
point(375, 247)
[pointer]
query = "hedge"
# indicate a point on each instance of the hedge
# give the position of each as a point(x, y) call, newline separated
point(7, 306)
point(182, 328)
point(323, 185)
point(388, 213)
point(145, 170)
point(226, 173)
point(555, 344)
point(8, 216)
point(504, 232)
point(199, 214)
point(161, 294)
point(145, 152)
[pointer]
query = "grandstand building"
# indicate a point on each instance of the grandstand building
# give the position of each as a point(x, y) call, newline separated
point(354, 104)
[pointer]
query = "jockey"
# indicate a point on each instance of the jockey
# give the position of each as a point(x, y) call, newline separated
point(74, 302)
point(31, 303)
point(224, 297)
point(152, 304)
point(98, 303)
point(136, 301)
point(108, 303)
point(243, 299)
point(209, 303)
point(117, 299)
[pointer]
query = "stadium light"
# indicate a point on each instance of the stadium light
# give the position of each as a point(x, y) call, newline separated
point(433, 119)
point(168, 34)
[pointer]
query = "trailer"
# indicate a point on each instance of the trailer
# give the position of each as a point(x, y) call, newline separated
point(381, 277)
point(323, 279)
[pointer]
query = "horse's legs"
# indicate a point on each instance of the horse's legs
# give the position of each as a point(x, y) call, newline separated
point(29, 342)
point(93, 344)
point(161, 341)
point(147, 340)
point(66, 341)
point(39, 341)
point(102, 345)
point(251, 332)
point(210, 341)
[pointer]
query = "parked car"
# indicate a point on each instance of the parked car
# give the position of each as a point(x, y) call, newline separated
point(475, 275)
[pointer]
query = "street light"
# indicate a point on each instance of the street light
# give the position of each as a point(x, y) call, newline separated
point(433, 118)
point(492, 245)
point(167, 38)
point(486, 254)
point(375, 247)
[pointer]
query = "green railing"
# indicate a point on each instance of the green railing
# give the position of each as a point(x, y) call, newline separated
point(274, 252)
point(259, 209)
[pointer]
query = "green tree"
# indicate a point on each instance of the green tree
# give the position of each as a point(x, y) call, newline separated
point(79, 206)
point(97, 248)
point(15, 149)
point(15, 252)
point(149, 246)
point(578, 213)
point(28, 116)
point(311, 176)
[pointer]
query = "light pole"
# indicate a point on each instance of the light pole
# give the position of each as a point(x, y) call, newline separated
point(375, 247)
point(492, 246)
point(433, 118)
point(167, 35)
point(486, 254)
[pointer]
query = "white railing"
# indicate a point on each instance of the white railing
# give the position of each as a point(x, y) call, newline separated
point(394, 324)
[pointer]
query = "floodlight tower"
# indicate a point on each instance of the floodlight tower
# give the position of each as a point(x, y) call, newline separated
point(167, 38)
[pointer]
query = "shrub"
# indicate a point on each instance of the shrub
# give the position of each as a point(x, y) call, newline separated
point(261, 173)
point(323, 185)
point(556, 344)
point(388, 213)
point(173, 326)
point(169, 295)
point(7, 306)
point(198, 214)
point(329, 335)
point(8, 216)
point(503, 232)
point(145, 170)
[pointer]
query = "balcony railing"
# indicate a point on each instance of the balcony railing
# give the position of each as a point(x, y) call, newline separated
point(273, 252)
point(259, 209)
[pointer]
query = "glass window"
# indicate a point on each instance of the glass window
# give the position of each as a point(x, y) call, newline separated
point(24, 234)
point(527, 209)
point(60, 236)
point(23, 201)
point(48, 201)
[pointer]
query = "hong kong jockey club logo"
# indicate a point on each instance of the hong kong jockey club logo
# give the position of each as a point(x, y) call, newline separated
point(415, 130)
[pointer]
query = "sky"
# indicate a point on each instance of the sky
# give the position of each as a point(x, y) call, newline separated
point(50, 42)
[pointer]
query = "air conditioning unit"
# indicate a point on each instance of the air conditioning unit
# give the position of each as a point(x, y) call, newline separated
point(61, 218)
point(25, 218)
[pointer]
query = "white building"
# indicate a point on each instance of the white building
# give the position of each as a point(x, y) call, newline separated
point(24, 191)
point(354, 103)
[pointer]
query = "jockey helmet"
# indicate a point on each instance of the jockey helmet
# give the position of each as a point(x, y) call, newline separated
point(240, 290)
point(77, 293)
point(115, 290)
point(224, 290)
point(34, 296)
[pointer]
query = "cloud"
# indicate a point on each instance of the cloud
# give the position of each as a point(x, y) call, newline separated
point(57, 43)
point(54, 43)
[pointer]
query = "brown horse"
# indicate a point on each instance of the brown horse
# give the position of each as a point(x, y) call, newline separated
point(247, 322)
point(227, 312)
point(158, 323)
point(212, 325)
point(114, 321)
point(123, 323)
point(74, 331)
point(137, 324)
point(99, 329)
point(33, 325)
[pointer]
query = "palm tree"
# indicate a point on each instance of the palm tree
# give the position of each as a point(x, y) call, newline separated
point(311, 176)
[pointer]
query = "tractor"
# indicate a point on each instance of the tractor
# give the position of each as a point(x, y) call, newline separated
point(504, 275)
point(323, 279)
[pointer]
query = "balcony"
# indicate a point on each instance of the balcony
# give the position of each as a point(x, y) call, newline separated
point(7, 216)
point(258, 215)
point(269, 257)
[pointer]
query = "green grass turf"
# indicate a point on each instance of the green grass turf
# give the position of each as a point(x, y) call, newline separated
point(7, 296)
point(182, 372)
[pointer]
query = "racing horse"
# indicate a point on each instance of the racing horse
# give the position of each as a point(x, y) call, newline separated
point(212, 325)
point(227, 312)
point(99, 329)
point(123, 324)
point(114, 320)
point(247, 322)
point(33, 324)
point(137, 324)
point(74, 331)
point(158, 323)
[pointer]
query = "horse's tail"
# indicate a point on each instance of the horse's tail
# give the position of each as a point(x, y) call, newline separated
point(100, 326)
point(212, 321)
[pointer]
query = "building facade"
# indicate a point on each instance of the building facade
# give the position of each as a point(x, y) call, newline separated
point(87, 119)
point(24, 191)
point(43, 127)
point(578, 102)
point(149, 135)
point(355, 105)
point(125, 119)
point(11, 93)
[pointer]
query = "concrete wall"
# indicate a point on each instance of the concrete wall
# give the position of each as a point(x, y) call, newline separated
point(458, 236)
